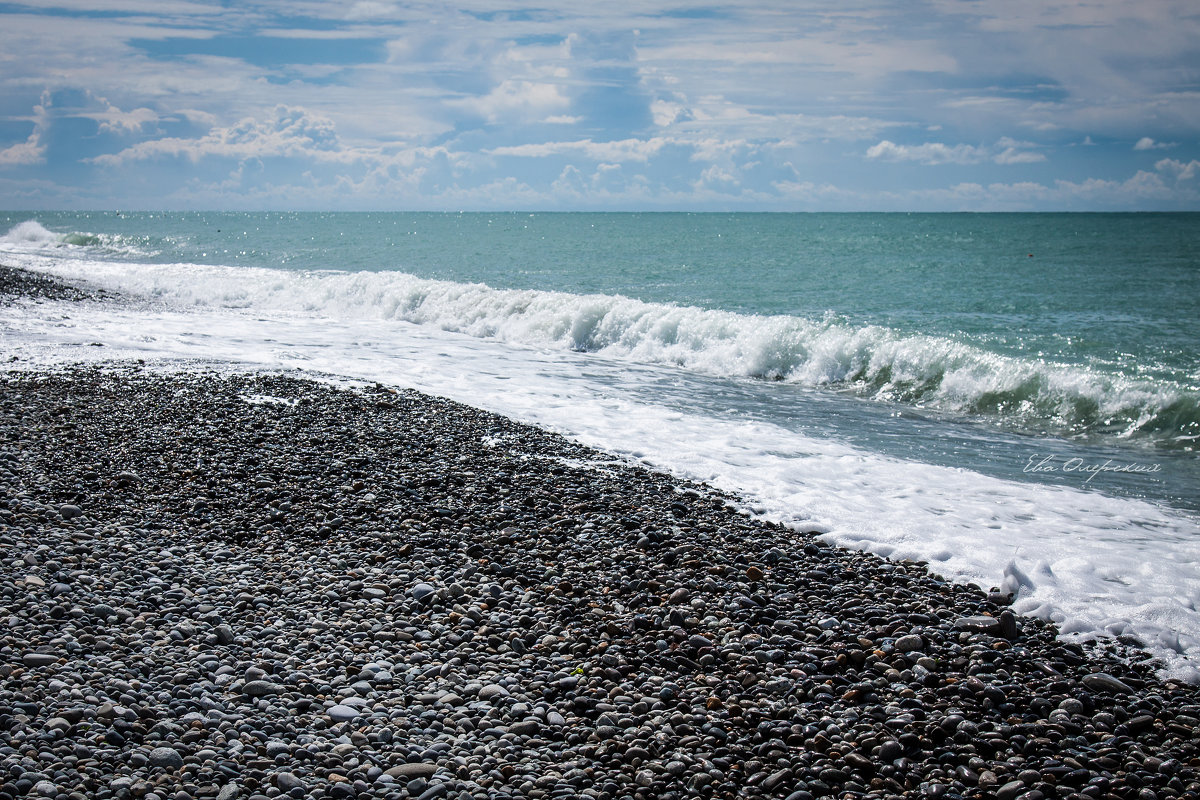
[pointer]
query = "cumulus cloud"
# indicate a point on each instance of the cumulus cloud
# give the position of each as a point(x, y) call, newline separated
point(1012, 151)
point(666, 112)
point(1146, 143)
point(929, 153)
point(1178, 169)
point(1005, 152)
point(1012, 156)
point(288, 131)
point(124, 123)
point(518, 99)
point(33, 149)
point(716, 175)
point(30, 151)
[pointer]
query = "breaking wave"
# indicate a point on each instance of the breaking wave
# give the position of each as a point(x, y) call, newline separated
point(32, 235)
point(933, 372)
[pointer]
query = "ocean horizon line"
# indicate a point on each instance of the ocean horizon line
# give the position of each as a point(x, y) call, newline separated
point(616, 212)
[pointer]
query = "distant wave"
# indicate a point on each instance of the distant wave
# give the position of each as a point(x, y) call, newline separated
point(31, 232)
point(31, 235)
point(933, 372)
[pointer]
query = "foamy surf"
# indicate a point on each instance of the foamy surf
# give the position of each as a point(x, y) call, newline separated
point(1029, 394)
point(31, 236)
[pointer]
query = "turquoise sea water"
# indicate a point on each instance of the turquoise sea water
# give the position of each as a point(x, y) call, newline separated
point(1116, 296)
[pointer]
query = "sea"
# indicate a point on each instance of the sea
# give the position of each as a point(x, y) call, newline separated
point(1012, 398)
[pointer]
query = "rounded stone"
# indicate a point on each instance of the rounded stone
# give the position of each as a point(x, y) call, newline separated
point(39, 659)
point(343, 713)
point(492, 691)
point(262, 688)
point(413, 770)
point(287, 781)
point(166, 757)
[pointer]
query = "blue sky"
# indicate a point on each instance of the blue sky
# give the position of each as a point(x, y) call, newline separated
point(859, 105)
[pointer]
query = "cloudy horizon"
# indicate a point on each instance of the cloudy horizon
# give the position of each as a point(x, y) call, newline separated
point(376, 105)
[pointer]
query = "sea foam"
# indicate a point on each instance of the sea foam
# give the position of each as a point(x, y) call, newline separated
point(32, 236)
point(31, 233)
point(933, 372)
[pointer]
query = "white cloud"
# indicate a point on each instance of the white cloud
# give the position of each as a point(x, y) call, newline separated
point(712, 116)
point(1011, 155)
point(517, 99)
point(1146, 143)
point(665, 112)
point(288, 132)
point(124, 123)
point(1177, 169)
point(1005, 152)
point(929, 153)
point(30, 151)
point(33, 149)
point(622, 150)
point(371, 10)
point(108, 117)
point(1144, 189)
point(719, 176)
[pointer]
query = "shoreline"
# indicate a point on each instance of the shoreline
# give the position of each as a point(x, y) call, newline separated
point(251, 585)
point(18, 283)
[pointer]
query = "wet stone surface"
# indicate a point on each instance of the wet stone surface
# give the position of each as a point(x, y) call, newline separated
point(21, 283)
point(259, 587)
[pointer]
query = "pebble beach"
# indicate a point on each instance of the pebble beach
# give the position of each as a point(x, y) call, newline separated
point(219, 584)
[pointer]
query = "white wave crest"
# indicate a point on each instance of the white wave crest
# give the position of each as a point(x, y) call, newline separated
point(874, 361)
point(31, 233)
point(33, 238)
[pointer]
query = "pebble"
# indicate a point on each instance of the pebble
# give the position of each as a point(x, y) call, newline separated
point(261, 688)
point(343, 713)
point(412, 770)
point(492, 691)
point(166, 757)
point(224, 634)
point(1102, 681)
point(978, 624)
point(286, 781)
point(39, 659)
point(254, 604)
point(1010, 790)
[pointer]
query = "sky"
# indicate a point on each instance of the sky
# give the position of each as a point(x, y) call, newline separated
point(935, 105)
